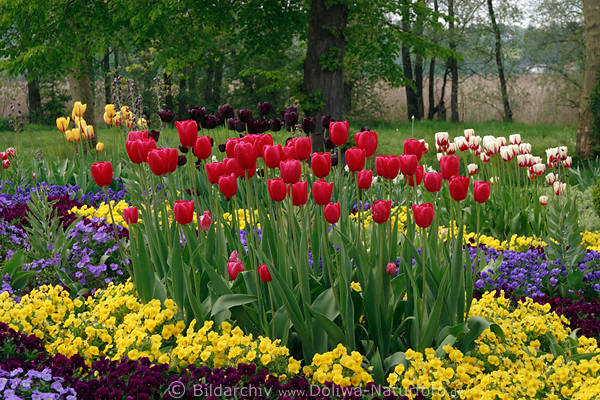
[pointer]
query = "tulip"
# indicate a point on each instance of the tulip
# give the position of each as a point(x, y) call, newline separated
point(543, 200)
point(202, 147)
point(338, 132)
point(232, 166)
point(275, 124)
point(484, 158)
point(299, 193)
point(264, 108)
point(235, 257)
point(308, 125)
point(414, 146)
point(137, 135)
point(418, 176)
point(205, 221)
point(228, 185)
point(321, 191)
point(364, 179)
point(559, 188)
point(391, 269)
point(245, 115)
point(469, 133)
point(102, 172)
point(567, 162)
point(132, 151)
point(381, 210)
point(514, 139)
point(472, 169)
point(321, 164)
point(387, 166)
point(525, 148)
point(461, 143)
point(551, 178)
point(441, 139)
point(184, 211)
point(449, 166)
point(11, 152)
point(423, 214)
point(62, 124)
point(355, 159)
point(131, 215)
point(367, 141)
point(459, 187)
point(188, 132)
point(326, 121)
point(166, 115)
point(277, 189)
point(272, 155)
point(408, 164)
point(538, 169)
point(78, 109)
point(181, 160)
point(88, 131)
point(432, 181)
point(234, 268)
point(197, 113)
point(290, 116)
point(162, 161)
point(481, 191)
point(451, 149)
point(73, 135)
point(143, 147)
point(302, 148)
point(264, 273)
point(3, 156)
point(290, 170)
point(474, 142)
point(99, 147)
point(332, 212)
point(245, 154)
point(506, 153)
point(5, 164)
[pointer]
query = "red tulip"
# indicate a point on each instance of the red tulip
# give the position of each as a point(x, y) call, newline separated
point(418, 175)
point(234, 269)
point(3, 156)
point(137, 135)
point(364, 178)
point(303, 148)
point(202, 147)
point(299, 193)
point(188, 132)
point(423, 214)
point(184, 211)
point(367, 141)
point(232, 166)
point(408, 164)
point(131, 215)
point(11, 152)
point(355, 159)
point(391, 268)
point(338, 132)
point(205, 221)
point(387, 166)
point(414, 146)
point(132, 151)
point(250, 172)
point(230, 146)
point(321, 164)
point(290, 170)
point(235, 256)
point(432, 181)
point(264, 273)
point(277, 189)
point(481, 191)
point(5, 164)
point(449, 166)
point(332, 212)
point(381, 210)
point(228, 185)
point(163, 161)
point(272, 155)
point(459, 187)
point(102, 172)
point(143, 147)
point(214, 171)
point(321, 191)
point(245, 154)
point(289, 152)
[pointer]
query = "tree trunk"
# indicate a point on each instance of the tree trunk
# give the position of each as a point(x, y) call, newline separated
point(586, 139)
point(453, 63)
point(498, 50)
point(323, 66)
point(213, 81)
point(441, 107)
point(34, 101)
point(348, 97)
point(107, 77)
point(182, 106)
point(412, 108)
point(168, 91)
point(81, 83)
point(432, 108)
point(419, 86)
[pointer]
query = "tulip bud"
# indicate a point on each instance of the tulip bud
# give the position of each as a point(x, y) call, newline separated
point(234, 268)
point(11, 152)
point(568, 162)
point(551, 178)
point(391, 269)
point(34, 175)
point(62, 124)
point(99, 147)
point(166, 115)
point(469, 132)
point(441, 139)
point(5, 164)
point(543, 200)
point(205, 221)
point(264, 274)
point(472, 169)
point(559, 188)
point(235, 256)
point(515, 139)
point(131, 215)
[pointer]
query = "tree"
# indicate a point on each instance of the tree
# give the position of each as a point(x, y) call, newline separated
point(453, 64)
point(499, 63)
point(586, 139)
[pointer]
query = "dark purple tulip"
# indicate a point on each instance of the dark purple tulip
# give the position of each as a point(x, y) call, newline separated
point(325, 120)
point(292, 109)
point(226, 111)
point(210, 122)
point(240, 126)
point(275, 124)
point(334, 160)
point(329, 144)
point(222, 147)
point(197, 113)
point(231, 124)
point(290, 118)
point(166, 115)
point(309, 124)
point(264, 108)
point(181, 160)
point(219, 117)
point(154, 135)
point(260, 126)
point(245, 115)
point(183, 149)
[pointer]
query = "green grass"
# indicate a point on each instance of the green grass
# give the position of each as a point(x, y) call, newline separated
point(52, 144)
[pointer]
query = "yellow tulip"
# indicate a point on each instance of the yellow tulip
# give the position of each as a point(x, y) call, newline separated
point(73, 135)
point(108, 119)
point(62, 124)
point(89, 132)
point(142, 123)
point(110, 110)
point(117, 120)
point(99, 147)
point(78, 109)
point(129, 123)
